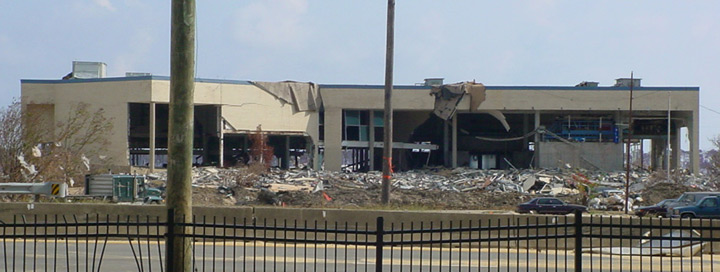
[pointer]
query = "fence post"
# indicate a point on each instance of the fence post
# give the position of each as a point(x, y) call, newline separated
point(380, 232)
point(578, 241)
point(169, 239)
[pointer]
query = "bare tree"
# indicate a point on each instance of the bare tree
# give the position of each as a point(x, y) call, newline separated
point(12, 145)
point(30, 152)
point(261, 153)
point(714, 169)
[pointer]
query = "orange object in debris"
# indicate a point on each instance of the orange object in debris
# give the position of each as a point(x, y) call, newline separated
point(327, 197)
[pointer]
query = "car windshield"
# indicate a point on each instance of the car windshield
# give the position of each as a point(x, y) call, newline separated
point(687, 198)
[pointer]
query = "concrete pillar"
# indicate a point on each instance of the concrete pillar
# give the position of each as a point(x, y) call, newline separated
point(371, 140)
point(312, 151)
point(694, 133)
point(221, 137)
point(526, 129)
point(454, 140)
point(333, 139)
point(675, 145)
point(285, 163)
point(537, 140)
point(446, 143)
point(657, 158)
point(152, 137)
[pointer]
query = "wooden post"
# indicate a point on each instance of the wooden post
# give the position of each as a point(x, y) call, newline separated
point(180, 138)
point(388, 115)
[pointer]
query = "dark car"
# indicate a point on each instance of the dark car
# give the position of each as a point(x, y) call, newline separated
point(549, 205)
point(659, 209)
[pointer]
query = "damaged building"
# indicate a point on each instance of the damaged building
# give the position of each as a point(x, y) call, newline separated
point(340, 127)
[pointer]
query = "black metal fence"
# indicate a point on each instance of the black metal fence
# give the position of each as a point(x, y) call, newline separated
point(503, 243)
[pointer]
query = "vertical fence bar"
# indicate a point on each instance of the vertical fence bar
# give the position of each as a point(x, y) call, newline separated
point(379, 233)
point(170, 240)
point(392, 241)
point(234, 243)
point(578, 241)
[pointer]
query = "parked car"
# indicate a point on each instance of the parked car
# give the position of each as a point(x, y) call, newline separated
point(548, 205)
point(659, 209)
point(708, 207)
point(688, 199)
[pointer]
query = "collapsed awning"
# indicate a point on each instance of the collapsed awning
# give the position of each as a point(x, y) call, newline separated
point(303, 95)
point(447, 98)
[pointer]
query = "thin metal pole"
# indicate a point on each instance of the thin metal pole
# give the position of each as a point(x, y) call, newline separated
point(667, 148)
point(388, 114)
point(629, 139)
point(180, 140)
point(578, 240)
point(379, 242)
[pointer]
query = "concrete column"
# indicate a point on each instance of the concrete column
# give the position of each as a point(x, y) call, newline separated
point(454, 140)
point(371, 140)
point(152, 137)
point(526, 129)
point(537, 140)
point(694, 132)
point(657, 160)
point(446, 143)
point(333, 139)
point(675, 145)
point(221, 137)
point(312, 152)
point(285, 163)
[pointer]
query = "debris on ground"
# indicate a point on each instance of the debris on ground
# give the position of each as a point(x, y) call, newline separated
point(438, 187)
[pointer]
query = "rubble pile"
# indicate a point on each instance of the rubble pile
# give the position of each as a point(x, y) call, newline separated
point(597, 189)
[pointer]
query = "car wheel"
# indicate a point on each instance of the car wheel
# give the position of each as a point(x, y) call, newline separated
point(687, 215)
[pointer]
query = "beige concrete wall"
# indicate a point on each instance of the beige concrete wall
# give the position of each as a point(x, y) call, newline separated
point(332, 157)
point(518, 99)
point(44, 116)
point(645, 99)
point(244, 106)
point(111, 96)
point(403, 99)
point(583, 155)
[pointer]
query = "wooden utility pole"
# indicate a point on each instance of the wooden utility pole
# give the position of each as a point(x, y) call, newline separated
point(629, 140)
point(388, 115)
point(180, 138)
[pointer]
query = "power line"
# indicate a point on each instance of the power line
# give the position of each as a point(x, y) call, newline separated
point(718, 112)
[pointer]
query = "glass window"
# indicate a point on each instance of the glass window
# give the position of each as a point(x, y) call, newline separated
point(543, 201)
point(363, 133)
point(352, 118)
point(378, 118)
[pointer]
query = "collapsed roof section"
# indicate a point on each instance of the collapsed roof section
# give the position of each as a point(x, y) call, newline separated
point(448, 97)
point(303, 95)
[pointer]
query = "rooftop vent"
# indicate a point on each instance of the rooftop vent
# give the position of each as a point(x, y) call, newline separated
point(434, 81)
point(136, 74)
point(625, 82)
point(587, 84)
point(86, 69)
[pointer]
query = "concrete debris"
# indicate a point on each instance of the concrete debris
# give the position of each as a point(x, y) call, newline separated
point(601, 190)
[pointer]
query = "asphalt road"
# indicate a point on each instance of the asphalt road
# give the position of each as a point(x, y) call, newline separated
point(121, 256)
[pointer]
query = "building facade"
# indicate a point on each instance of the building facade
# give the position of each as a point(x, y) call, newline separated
point(339, 127)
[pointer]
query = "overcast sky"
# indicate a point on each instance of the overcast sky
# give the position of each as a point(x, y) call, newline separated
point(666, 43)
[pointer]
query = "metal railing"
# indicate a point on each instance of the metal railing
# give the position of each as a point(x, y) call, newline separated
point(503, 243)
